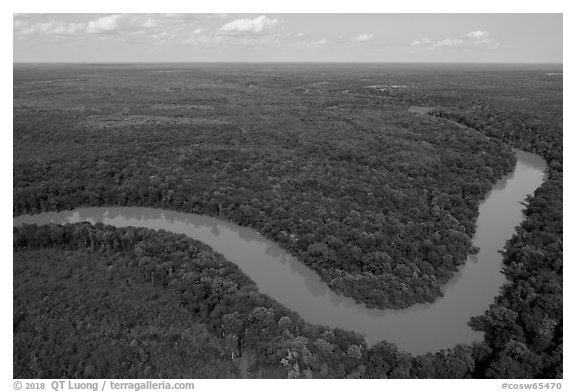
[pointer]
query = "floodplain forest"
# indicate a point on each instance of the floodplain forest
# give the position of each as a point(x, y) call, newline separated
point(371, 175)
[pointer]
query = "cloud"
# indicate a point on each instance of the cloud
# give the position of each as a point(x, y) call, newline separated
point(363, 37)
point(422, 41)
point(48, 28)
point(448, 42)
point(250, 26)
point(158, 29)
point(482, 38)
point(311, 44)
point(473, 38)
point(105, 24)
point(153, 24)
point(478, 34)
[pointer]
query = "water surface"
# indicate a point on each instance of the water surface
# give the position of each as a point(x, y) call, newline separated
point(418, 329)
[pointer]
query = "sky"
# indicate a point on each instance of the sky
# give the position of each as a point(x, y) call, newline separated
point(270, 37)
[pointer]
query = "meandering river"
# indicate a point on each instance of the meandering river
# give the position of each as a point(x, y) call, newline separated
point(418, 329)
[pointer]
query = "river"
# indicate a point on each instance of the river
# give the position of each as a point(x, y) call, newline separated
point(418, 329)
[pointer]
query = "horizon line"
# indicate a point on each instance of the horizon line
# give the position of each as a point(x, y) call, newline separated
point(290, 62)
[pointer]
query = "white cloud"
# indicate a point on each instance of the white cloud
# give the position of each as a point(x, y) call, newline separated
point(206, 29)
point(48, 28)
point(153, 24)
point(311, 44)
point(250, 26)
point(105, 24)
point(482, 38)
point(363, 37)
point(473, 38)
point(448, 42)
point(478, 34)
point(422, 41)
point(159, 28)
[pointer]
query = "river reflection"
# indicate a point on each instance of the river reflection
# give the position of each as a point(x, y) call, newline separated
point(418, 329)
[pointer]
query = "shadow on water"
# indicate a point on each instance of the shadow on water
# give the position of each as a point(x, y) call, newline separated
point(501, 184)
point(418, 329)
point(274, 251)
point(248, 234)
point(530, 161)
point(315, 286)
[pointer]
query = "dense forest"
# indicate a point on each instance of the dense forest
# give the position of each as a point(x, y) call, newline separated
point(524, 327)
point(94, 300)
point(380, 201)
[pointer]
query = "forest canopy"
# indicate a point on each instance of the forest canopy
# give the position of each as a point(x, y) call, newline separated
point(379, 200)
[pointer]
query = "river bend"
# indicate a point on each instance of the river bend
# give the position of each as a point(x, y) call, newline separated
point(418, 329)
